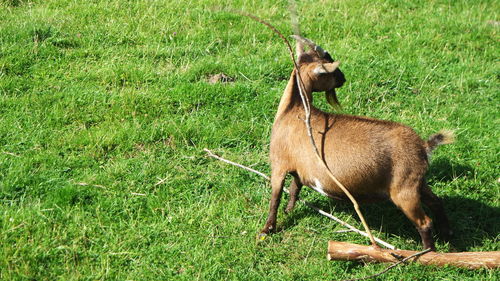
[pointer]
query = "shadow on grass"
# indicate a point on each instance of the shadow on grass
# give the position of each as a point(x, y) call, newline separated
point(471, 221)
point(444, 170)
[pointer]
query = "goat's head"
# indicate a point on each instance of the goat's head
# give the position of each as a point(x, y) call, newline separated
point(319, 68)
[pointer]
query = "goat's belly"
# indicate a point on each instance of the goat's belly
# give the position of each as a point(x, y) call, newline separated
point(318, 186)
point(368, 192)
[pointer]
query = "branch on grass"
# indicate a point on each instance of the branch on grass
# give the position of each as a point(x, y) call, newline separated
point(328, 215)
point(354, 252)
point(392, 265)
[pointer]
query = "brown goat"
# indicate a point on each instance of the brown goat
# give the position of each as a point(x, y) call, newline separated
point(374, 159)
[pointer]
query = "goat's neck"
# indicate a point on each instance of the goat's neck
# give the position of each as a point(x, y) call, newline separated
point(291, 98)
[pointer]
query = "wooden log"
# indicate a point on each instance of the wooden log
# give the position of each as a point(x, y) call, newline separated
point(471, 260)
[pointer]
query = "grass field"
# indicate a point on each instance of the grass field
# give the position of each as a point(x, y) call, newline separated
point(105, 109)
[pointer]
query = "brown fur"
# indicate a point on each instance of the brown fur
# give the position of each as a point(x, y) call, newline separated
point(374, 159)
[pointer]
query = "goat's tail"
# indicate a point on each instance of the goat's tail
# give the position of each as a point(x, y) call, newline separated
point(442, 137)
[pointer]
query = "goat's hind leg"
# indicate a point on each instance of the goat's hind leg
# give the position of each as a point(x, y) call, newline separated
point(294, 189)
point(409, 202)
point(436, 205)
point(277, 181)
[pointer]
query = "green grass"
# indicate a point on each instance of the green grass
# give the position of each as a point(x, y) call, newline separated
point(100, 100)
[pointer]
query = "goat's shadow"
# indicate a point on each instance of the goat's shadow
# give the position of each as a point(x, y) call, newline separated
point(444, 170)
point(471, 221)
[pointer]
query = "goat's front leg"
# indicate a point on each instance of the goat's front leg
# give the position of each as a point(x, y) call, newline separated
point(294, 189)
point(277, 181)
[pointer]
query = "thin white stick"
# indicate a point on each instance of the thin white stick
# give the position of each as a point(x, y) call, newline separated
point(343, 231)
point(352, 228)
point(235, 164)
point(328, 215)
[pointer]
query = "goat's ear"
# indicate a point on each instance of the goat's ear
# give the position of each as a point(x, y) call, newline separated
point(326, 67)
